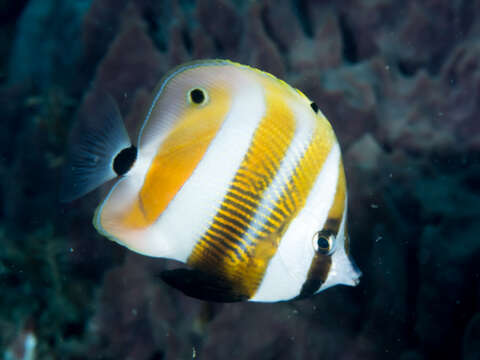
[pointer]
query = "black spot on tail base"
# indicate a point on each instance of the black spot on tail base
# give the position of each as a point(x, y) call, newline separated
point(124, 161)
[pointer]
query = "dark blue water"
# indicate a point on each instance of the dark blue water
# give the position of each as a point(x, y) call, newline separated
point(400, 83)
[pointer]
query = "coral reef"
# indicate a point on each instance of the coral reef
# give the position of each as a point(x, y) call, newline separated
point(400, 83)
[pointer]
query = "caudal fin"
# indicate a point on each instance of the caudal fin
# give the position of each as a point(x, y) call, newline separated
point(97, 137)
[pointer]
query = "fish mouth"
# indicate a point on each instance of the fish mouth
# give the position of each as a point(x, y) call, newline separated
point(343, 272)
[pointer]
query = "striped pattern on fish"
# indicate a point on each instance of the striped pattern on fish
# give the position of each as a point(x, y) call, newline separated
point(239, 176)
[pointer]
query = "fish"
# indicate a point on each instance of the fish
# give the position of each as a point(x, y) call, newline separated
point(234, 173)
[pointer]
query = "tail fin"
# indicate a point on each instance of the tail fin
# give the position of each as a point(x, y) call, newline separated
point(98, 135)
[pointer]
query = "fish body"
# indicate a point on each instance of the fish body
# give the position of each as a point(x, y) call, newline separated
point(234, 173)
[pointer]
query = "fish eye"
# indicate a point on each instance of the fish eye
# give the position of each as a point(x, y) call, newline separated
point(197, 96)
point(314, 107)
point(323, 242)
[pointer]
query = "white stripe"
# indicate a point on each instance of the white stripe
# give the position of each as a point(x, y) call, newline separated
point(288, 268)
point(304, 129)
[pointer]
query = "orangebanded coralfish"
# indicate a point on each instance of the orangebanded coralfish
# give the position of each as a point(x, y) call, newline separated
point(234, 173)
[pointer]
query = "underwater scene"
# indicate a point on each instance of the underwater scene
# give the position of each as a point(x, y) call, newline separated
point(168, 193)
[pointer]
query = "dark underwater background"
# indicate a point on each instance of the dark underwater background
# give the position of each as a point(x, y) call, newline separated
point(398, 80)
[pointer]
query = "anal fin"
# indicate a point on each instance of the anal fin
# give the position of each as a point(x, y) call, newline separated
point(202, 285)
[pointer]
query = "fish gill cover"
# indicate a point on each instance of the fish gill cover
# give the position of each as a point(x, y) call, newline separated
point(400, 83)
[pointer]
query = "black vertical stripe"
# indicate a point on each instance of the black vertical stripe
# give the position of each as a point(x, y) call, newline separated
point(320, 265)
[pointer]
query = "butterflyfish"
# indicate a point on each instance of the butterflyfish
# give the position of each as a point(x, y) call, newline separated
point(234, 173)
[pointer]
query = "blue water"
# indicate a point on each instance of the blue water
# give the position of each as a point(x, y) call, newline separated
point(400, 83)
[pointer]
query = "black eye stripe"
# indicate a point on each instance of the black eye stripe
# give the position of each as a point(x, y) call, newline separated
point(314, 107)
point(324, 241)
